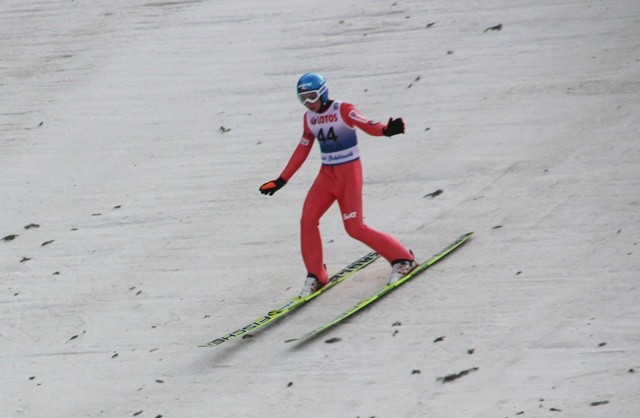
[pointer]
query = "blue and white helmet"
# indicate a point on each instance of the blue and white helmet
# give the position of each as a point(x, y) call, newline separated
point(312, 87)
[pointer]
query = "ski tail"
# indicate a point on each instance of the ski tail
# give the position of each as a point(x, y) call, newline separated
point(296, 301)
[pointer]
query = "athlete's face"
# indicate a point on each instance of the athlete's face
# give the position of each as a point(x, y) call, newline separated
point(314, 107)
point(312, 100)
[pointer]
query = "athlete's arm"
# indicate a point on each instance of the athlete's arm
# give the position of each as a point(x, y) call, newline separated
point(353, 117)
point(300, 154)
point(296, 160)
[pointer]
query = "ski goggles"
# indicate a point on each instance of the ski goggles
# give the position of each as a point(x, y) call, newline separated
point(311, 96)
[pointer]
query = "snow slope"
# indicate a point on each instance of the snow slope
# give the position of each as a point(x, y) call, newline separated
point(134, 136)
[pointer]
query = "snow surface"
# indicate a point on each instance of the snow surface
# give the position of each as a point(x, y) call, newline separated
point(134, 137)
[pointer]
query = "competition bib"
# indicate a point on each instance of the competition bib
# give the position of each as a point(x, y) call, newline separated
point(338, 141)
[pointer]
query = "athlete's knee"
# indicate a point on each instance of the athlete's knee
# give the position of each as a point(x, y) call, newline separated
point(355, 229)
point(309, 221)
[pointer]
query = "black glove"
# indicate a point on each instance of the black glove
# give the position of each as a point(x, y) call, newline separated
point(272, 186)
point(394, 127)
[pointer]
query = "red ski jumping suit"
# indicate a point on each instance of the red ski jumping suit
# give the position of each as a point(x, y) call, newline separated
point(339, 179)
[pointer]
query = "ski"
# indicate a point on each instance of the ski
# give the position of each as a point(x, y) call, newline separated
point(297, 301)
point(387, 288)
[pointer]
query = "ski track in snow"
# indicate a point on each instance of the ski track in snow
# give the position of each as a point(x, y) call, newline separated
point(134, 137)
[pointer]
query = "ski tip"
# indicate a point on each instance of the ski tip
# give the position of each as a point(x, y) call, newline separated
point(466, 236)
point(291, 340)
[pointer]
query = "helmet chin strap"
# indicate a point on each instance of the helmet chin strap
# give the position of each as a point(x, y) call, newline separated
point(325, 106)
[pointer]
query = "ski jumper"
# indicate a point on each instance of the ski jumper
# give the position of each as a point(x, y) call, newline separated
point(339, 179)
